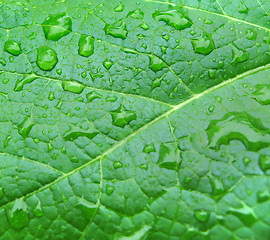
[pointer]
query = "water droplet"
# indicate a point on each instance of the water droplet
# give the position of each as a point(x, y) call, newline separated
point(93, 95)
point(156, 83)
point(117, 30)
point(251, 34)
point(51, 96)
point(144, 166)
point(262, 93)
point(211, 108)
point(1, 192)
point(137, 14)
point(20, 83)
point(90, 134)
point(117, 165)
point(109, 190)
point(149, 148)
point(86, 46)
point(202, 215)
point(38, 210)
point(144, 26)
point(123, 118)
point(239, 55)
point(244, 214)
point(208, 21)
point(5, 80)
point(57, 26)
point(264, 162)
point(239, 126)
point(87, 207)
point(156, 64)
point(59, 71)
point(12, 48)
point(218, 99)
point(246, 160)
point(188, 180)
point(3, 62)
point(168, 156)
point(263, 196)
point(72, 86)
point(212, 73)
point(46, 58)
point(173, 18)
point(242, 8)
point(119, 8)
point(203, 45)
point(107, 64)
point(163, 49)
point(18, 215)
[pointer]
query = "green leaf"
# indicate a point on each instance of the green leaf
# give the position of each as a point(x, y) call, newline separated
point(135, 120)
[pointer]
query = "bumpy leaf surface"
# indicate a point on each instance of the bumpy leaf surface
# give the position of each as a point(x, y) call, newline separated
point(135, 120)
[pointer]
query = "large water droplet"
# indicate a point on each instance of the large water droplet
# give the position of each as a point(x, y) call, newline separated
point(201, 215)
point(137, 14)
point(119, 8)
point(262, 94)
point(168, 156)
point(156, 64)
point(239, 126)
point(121, 119)
point(1, 192)
point(149, 148)
point(18, 215)
point(264, 162)
point(117, 30)
point(107, 64)
point(90, 134)
point(263, 196)
point(20, 83)
point(86, 46)
point(239, 55)
point(12, 48)
point(87, 207)
point(173, 18)
point(46, 58)
point(57, 26)
point(72, 86)
point(244, 214)
point(242, 8)
point(203, 45)
point(117, 165)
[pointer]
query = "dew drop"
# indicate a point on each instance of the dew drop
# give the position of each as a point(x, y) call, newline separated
point(46, 58)
point(149, 148)
point(109, 190)
point(107, 64)
point(156, 64)
point(1, 192)
point(137, 14)
point(203, 45)
point(20, 83)
point(201, 215)
point(38, 210)
point(72, 86)
point(123, 118)
point(173, 18)
point(239, 55)
point(263, 196)
point(117, 30)
point(144, 26)
point(144, 166)
point(57, 26)
point(12, 48)
point(246, 160)
point(212, 73)
point(18, 215)
point(51, 96)
point(119, 8)
point(211, 108)
point(242, 8)
point(264, 162)
point(117, 165)
point(86, 46)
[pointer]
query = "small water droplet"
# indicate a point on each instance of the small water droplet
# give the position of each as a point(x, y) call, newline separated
point(242, 8)
point(93, 95)
point(51, 96)
point(117, 30)
point(144, 26)
point(107, 64)
point(3, 62)
point(212, 73)
point(109, 190)
point(173, 18)
point(211, 108)
point(137, 14)
point(119, 8)
point(144, 166)
point(264, 162)
point(72, 86)
point(246, 160)
point(57, 26)
point(201, 215)
point(46, 58)
point(121, 119)
point(263, 196)
point(12, 48)
point(86, 46)
point(149, 148)
point(117, 165)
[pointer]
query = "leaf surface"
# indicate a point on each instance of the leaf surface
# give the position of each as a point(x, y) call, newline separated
point(134, 120)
